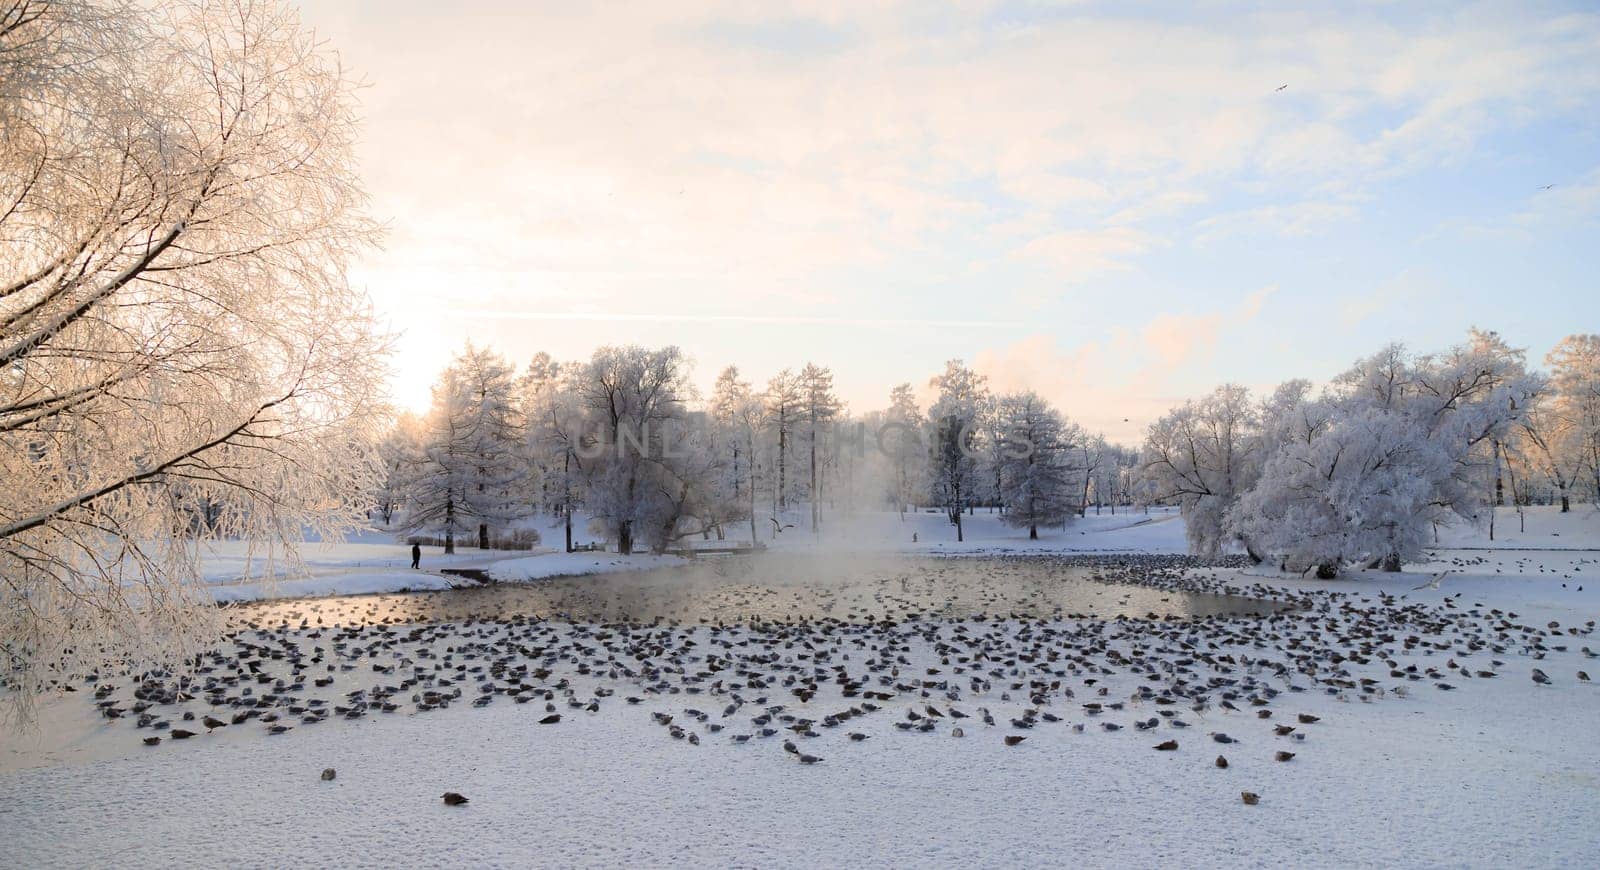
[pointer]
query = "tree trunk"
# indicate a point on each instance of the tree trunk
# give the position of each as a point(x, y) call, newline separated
point(1391, 563)
point(449, 523)
point(1499, 487)
point(568, 512)
point(1327, 571)
point(1033, 533)
point(782, 496)
point(625, 538)
point(483, 536)
point(815, 501)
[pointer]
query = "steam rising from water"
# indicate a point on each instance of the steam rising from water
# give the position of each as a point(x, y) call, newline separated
point(782, 587)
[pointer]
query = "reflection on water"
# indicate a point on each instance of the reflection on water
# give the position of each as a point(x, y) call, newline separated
point(772, 587)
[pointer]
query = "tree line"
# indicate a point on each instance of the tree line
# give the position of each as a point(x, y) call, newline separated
point(625, 439)
point(1362, 470)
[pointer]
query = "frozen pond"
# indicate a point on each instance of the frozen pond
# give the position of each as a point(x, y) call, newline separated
point(775, 587)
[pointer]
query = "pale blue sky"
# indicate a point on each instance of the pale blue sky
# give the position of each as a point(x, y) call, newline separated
point(1111, 203)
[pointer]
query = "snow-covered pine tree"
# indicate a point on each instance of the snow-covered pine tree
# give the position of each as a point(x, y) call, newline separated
point(468, 479)
point(818, 408)
point(1036, 477)
point(901, 438)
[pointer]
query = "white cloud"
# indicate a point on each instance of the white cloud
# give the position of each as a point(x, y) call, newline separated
point(1120, 384)
point(1076, 255)
point(1296, 219)
point(741, 156)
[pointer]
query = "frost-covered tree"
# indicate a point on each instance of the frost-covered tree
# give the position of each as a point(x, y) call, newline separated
point(649, 465)
point(782, 401)
point(1563, 435)
point(1090, 454)
point(1360, 486)
point(400, 453)
point(470, 475)
point(1395, 445)
point(556, 421)
point(1544, 443)
point(953, 422)
point(991, 420)
point(1204, 456)
point(178, 202)
point(536, 391)
point(818, 408)
point(737, 417)
point(1036, 474)
point(1469, 398)
point(1110, 478)
point(901, 441)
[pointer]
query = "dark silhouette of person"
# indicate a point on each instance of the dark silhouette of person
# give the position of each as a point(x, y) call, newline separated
point(416, 555)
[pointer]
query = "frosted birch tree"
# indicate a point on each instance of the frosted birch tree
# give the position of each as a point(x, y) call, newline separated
point(1566, 432)
point(737, 415)
point(537, 391)
point(556, 424)
point(818, 408)
point(900, 440)
point(647, 467)
point(1204, 455)
point(953, 421)
point(782, 399)
point(178, 203)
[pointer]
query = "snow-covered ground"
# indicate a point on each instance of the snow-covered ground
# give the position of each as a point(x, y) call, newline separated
point(1440, 782)
point(1496, 772)
point(1160, 530)
point(373, 561)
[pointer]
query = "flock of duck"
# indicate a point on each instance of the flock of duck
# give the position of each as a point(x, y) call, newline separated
point(894, 656)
